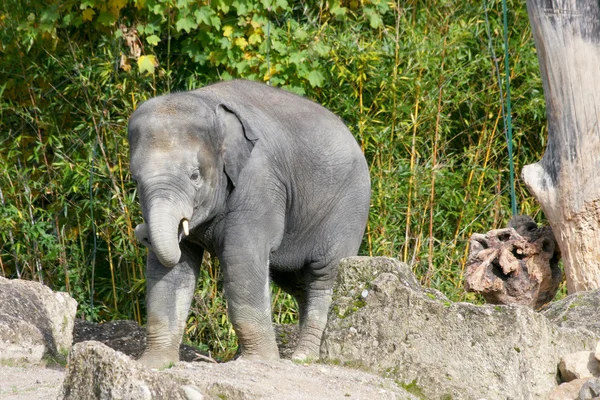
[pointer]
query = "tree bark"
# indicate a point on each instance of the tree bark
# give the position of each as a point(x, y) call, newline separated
point(566, 182)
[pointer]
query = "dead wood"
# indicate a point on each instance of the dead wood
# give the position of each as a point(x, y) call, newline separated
point(515, 265)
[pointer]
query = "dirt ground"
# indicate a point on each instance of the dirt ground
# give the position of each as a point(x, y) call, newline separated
point(30, 383)
point(254, 380)
point(239, 379)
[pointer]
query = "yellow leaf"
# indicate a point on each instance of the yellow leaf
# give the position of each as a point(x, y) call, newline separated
point(115, 6)
point(241, 43)
point(139, 4)
point(255, 38)
point(147, 63)
point(255, 24)
point(227, 30)
point(117, 3)
point(88, 14)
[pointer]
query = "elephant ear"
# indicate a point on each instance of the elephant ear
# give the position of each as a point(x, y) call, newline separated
point(237, 141)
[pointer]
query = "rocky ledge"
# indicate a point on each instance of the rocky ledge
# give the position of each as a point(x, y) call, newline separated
point(387, 338)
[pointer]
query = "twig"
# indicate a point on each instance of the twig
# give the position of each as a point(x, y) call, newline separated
point(204, 358)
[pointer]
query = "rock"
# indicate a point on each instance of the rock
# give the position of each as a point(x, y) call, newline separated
point(35, 322)
point(95, 371)
point(578, 311)
point(444, 349)
point(581, 364)
point(567, 391)
point(517, 265)
point(590, 389)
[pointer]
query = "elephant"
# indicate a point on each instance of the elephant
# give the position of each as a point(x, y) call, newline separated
point(272, 184)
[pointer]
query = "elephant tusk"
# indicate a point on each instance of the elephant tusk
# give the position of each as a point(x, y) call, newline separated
point(186, 227)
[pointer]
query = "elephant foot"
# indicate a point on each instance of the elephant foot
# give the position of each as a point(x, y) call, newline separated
point(304, 358)
point(159, 359)
point(266, 354)
point(306, 354)
point(257, 341)
point(309, 346)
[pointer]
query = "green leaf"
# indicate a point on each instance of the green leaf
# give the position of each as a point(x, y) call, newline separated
point(320, 48)
point(374, 19)
point(153, 40)
point(224, 6)
point(50, 16)
point(183, 3)
point(281, 4)
point(300, 34)
point(86, 3)
point(241, 6)
point(337, 11)
point(186, 24)
point(316, 78)
point(203, 15)
point(216, 21)
point(106, 18)
point(298, 57)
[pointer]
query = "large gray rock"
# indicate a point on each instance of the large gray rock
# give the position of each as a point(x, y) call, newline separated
point(96, 371)
point(382, 321)
point(578, 311)
point(35, 322)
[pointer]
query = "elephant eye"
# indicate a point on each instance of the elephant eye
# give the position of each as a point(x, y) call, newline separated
point(195, 176)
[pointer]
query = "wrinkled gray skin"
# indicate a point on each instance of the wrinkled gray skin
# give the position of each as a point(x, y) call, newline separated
point(271, 183)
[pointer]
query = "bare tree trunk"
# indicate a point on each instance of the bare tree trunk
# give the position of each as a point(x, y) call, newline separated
point(566, 181)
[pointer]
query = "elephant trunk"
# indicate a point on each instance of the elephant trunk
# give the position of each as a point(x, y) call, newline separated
point(165, 228)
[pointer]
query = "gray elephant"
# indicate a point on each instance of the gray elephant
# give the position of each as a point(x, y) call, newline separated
point(272, 184)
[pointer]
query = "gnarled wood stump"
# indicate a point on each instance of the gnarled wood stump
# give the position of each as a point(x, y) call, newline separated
point(516, 265)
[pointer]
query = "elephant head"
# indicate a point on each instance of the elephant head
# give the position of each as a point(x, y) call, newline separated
point(183, 156)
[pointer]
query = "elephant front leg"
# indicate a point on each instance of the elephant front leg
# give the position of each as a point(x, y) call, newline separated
point(248, 301)
point(169, 295)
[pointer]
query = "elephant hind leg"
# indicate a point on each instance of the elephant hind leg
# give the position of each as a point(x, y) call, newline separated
point(313, 292)
point(313, 319)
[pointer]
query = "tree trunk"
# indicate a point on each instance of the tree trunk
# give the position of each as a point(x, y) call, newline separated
point(566, 182)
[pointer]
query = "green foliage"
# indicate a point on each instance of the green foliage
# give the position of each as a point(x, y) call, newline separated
point(414, 81)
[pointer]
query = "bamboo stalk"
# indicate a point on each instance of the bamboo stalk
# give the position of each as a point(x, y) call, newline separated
point(63, 256)
point(467, 188)
point(112, 271)
point(434, 166)
point(463, 261)
point(414, 118)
